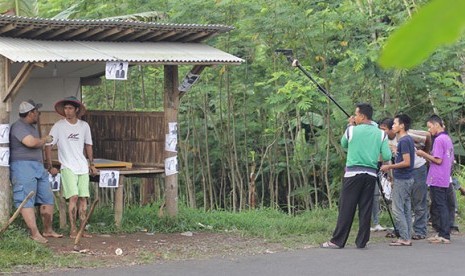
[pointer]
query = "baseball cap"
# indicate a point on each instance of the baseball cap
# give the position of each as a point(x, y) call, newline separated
point(28, 105)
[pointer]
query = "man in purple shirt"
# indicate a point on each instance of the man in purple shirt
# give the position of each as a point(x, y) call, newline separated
point(441, 160)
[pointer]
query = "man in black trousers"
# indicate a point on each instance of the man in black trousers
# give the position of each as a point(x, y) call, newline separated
point(364, 142)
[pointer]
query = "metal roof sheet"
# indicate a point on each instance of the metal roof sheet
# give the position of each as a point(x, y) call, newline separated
point(28, 50)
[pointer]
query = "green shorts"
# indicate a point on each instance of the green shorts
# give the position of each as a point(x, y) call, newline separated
point(74, 184)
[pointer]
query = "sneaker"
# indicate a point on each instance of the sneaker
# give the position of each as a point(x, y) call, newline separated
point(377, 228)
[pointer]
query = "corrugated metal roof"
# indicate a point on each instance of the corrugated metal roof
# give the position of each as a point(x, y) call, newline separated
point(105, 30)
point(28, 50)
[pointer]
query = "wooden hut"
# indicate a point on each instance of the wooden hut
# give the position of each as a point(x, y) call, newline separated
point(48, 59)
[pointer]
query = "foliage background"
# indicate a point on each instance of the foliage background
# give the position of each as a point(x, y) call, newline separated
point(260, 134)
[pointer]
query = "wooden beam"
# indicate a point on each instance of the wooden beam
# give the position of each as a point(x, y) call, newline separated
point(5, 188)
point(90, 33)
point(119, 202)
point(105, 34)
point(171, 107)
point(165, 36)
point(18, 81)
point(7, 28)
point(55, 33)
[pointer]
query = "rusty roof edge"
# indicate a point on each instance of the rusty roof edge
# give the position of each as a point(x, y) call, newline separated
point(116, 23)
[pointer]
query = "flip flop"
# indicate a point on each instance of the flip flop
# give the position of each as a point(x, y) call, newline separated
point(329, 245)
point(440, 240)
point(400, 243)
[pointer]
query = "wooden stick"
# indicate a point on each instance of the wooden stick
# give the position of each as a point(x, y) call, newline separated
point(83, 224)
point(31, 194)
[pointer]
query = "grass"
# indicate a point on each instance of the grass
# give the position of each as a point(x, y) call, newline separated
point(18, 252)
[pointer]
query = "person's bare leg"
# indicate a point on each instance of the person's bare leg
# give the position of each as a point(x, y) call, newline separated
point(29, 217)
point(46, 211)
point(83, 214)
point(72, 212)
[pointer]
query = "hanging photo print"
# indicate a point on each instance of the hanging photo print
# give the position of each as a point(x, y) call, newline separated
point(188, 81)
point(4, 133)
point(4, 156)
point(109, 179)
point(171, 165)
point(55, 181)
point(116, 70)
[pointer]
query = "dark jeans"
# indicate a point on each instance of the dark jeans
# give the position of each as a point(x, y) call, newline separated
point(451, 206)
point(356, 191)
point(440, 206)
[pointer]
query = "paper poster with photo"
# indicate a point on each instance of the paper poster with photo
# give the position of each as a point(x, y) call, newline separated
point(171, 165)
point(5, 156)
point(109, 179)
point(173, 127)
point(55, 181)
point(171, 140)
point(188, 81)
point(116, 70)
point(4, 133)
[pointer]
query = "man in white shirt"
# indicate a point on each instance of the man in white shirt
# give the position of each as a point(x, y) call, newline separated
point(72, 136)
point(422, 141)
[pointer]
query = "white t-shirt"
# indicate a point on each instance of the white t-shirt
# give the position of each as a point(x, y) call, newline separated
point(70, 140)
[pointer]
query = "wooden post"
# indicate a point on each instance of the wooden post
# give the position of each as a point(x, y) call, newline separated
point(5, 189)
point(119, 204)
point(147, 191)
point(171, 104)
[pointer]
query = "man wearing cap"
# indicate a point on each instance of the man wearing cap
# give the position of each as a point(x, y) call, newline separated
point(72, 136)
point(27, 171)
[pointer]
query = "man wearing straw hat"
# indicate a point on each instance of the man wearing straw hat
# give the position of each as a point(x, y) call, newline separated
point(73, 136)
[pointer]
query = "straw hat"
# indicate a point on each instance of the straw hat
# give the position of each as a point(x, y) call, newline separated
point(60, 105)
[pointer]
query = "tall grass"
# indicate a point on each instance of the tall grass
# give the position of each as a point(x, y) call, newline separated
point(270, 224)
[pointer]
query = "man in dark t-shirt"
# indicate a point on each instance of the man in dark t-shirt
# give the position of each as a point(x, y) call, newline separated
point(27, 171)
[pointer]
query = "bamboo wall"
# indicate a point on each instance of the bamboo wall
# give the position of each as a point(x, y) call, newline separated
point(136, 137)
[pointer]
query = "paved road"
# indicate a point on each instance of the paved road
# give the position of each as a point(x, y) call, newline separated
point(378, 259)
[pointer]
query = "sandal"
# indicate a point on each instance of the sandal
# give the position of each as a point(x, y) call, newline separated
point(400, 243)
point(439, 240)
point(329, 245)
point(418, 237)
point(391, 235)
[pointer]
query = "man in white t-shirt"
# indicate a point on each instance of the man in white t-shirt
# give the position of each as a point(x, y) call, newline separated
point(73, 137)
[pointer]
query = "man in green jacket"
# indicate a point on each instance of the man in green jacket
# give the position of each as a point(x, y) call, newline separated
point(364, 142)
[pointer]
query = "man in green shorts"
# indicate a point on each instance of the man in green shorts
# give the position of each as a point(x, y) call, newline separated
point(72, 136)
